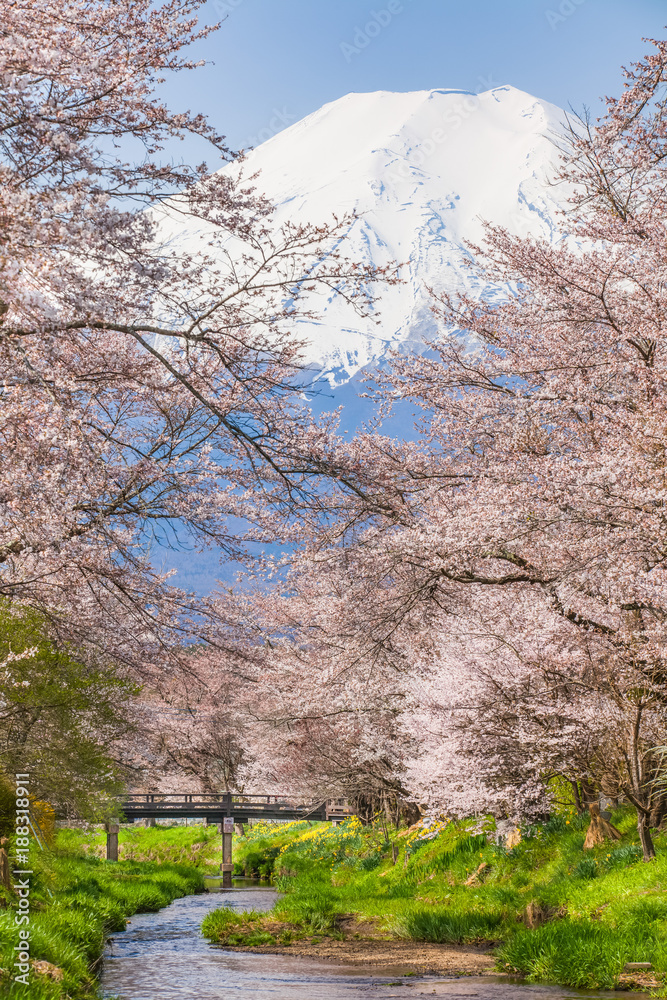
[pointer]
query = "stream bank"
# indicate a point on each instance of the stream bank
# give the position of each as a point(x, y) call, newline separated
point(77, 899)
point(413, 958)
point(447, 896)
point(162, 956)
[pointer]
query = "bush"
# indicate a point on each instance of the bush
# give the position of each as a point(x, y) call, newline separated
point(587, 868)
point(628, 855)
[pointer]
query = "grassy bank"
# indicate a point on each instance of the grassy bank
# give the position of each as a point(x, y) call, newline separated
point(195, 845)
point(552, 912)
point(77, 899)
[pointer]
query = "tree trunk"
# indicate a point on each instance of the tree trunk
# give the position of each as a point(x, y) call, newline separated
point(658, 812)
point(5, 878)
point(576, 791)
point(645, 836)
point(410, 812)
point(599, 828)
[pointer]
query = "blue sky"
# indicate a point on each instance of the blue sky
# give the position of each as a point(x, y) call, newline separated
point(273, 62)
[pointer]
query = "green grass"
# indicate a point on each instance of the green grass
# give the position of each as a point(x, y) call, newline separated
point(315, 910)
point(78, 899)
point(198, 846)
point(232, 928)
point(579, 953)
point(452, 927)
point(594, 911)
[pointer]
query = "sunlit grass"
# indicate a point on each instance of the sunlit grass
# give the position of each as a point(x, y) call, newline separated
point(78, 899)
point(597, 910)
point(196, 845)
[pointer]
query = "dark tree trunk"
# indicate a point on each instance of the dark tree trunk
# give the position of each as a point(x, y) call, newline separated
point(645, 836)
point(658, 813)
point(410, 812)
point(578, 801)
point(365, 807)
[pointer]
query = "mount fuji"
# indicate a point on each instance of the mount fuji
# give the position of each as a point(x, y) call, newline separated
point(421, 171)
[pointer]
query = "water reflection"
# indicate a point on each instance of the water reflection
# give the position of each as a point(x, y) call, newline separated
point(162, 956)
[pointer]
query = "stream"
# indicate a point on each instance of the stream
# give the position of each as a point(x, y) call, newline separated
point(163, 956)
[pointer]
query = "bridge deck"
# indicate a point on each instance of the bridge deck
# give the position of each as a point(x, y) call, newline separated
point(214, 808)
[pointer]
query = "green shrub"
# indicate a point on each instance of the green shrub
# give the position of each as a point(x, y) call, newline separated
point(628, 855)
point(587, 868)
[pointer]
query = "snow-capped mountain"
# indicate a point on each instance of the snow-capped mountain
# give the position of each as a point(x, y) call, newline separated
point(421, 170)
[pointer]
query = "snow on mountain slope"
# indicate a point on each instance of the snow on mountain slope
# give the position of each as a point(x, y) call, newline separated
point(421, 170)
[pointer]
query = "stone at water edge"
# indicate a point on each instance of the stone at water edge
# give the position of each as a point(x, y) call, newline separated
point(44, 968)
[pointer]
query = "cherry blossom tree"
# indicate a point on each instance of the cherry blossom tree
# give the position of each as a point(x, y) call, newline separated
point(149, 389)
point(545, 436)
point(515, 699)
point(535, 495)
point(195, 731)
point(316, 719)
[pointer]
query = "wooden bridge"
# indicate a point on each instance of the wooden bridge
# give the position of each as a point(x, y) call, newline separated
point(217, 808)
point(226, 810)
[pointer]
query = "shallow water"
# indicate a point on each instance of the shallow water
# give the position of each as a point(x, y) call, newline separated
point(162, 956)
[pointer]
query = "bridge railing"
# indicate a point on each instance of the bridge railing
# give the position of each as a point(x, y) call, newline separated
point(209, 797)
point(200, 802)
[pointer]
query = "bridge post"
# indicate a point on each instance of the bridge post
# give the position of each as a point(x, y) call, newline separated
point(227, 867)
point(112, 841)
